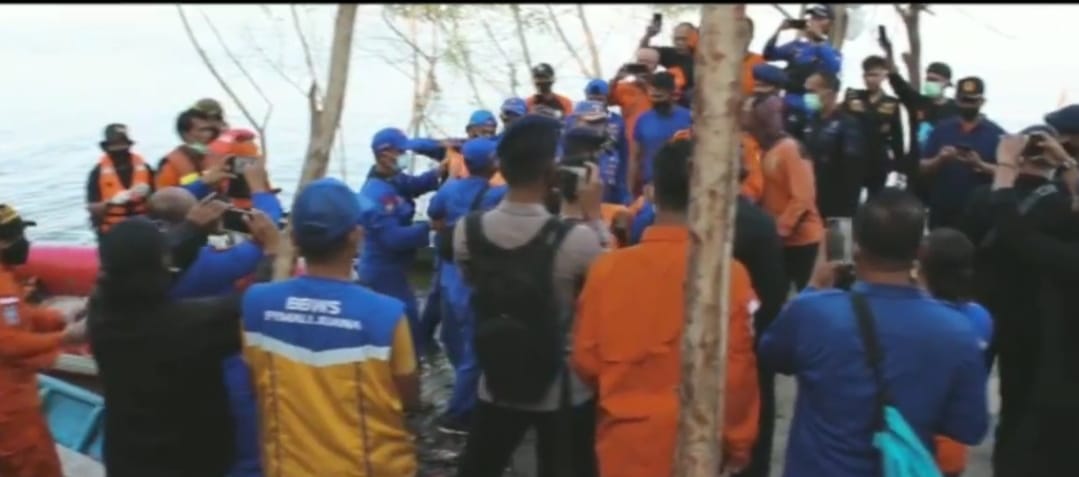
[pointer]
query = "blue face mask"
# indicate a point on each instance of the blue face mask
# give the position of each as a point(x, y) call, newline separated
point(812, 101)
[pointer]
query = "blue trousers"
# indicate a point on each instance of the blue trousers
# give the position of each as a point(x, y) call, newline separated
point(431, 315)
point(241, 392)
point(394, 283)
point(458, 329)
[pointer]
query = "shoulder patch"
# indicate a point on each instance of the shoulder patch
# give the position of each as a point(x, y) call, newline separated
point(9, 307)
point(856, 105)
point(886, 107)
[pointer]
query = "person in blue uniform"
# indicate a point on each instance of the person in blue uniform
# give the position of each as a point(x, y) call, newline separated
point(592, 119)
point(808, 53)
point(392, 238)
point(598, 91)
point(834, 140)
point(453, 201)
point(512, 109)
point(959, 155)
point(653, 129)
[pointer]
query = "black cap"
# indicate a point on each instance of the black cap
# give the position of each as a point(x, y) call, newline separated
point(1065, 120)
point(970, 88)
point(1040, 128)
point(11, 224)
point(530, 126)
point(819, 10)
point(116, 133)
point(663, 80)
point(543, 70)
point(940, 69)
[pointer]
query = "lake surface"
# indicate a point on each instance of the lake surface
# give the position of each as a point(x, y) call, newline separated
point(72, 69)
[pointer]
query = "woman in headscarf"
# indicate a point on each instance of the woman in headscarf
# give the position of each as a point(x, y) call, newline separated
point(160, 361)
point(789, 187)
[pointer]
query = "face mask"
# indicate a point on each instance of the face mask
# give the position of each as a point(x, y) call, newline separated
point(16, 253)
point(812, 101)
point(969, 114)
point(119, 155)
point(932, 89)
point(198, 147)
point(662, 106)
point(544, 87)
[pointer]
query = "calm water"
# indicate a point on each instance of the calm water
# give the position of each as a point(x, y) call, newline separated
point(69, 70)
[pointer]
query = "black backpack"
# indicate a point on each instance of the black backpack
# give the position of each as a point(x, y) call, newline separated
point(519, 336)
point(444, 239)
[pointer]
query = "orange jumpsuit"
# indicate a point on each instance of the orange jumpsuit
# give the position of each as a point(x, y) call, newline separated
point(790, 194)
point(30, 339)
point(753, 185)
point(627, 345)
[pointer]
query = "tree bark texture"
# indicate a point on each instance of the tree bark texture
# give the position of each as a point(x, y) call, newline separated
point(724, 34)
point(325, 115)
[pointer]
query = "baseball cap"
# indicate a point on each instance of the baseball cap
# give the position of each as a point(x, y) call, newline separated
point(530, 127)
point(11, 224)
point(1065, 120)
point(482, 117)
point(515, 106)
point(1040, 128)
point(590, 110)
point(115, 133)
point(940, 69)
point(479, 153)
point(543, 70)
point(770, 75)
point(324, 212)
point(663, 80)
point(597, 87)
point(970, 88)
point(819, 10)
point(209, 106)
point(390, 138)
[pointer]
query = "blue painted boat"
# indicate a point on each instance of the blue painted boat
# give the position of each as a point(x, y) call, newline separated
point(75, 416)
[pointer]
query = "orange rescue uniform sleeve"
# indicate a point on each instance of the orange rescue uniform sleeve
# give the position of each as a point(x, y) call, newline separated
point(752, 59)
point(753, 185)
point(803, 193)
point(742, 396)
point(22, 345)
point(951, 456)
point(567, 105)
point(402, 357)
point(456, 167)
point(585, 357)
point(45, 319)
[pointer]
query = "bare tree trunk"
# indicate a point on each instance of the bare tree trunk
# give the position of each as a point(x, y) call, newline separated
point(511, 65)
point(913, 59)
point(324, 121)
point(519, 24)
point(557, 25)
point(590, 41)
point(838, 34)
point(724, 35)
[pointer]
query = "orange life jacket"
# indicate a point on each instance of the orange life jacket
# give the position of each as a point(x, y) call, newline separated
point(459, 170)
point(110, 185)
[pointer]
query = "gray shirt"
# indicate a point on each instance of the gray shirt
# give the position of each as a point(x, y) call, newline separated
point(512, 225)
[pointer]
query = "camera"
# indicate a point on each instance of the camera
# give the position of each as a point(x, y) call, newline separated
point(573, 174)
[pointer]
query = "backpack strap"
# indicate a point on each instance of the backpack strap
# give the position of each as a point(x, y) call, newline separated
point(874, 355)
point(477, 201)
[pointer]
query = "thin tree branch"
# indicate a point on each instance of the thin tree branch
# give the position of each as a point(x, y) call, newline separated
point(304, 45)
point(782, 11)
point(519, 25)
point(510, 64)
point(565, 40)
point(260, 127)
point(590, 41)
point(401, 36)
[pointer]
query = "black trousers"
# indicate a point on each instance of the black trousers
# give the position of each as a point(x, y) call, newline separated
point(798, 261)
point(497, 431)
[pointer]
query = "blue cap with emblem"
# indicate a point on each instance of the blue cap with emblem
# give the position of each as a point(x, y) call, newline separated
point(324, 213)
point(479, 153)
point(515, 106)
point(390, 138)
point(770, 75)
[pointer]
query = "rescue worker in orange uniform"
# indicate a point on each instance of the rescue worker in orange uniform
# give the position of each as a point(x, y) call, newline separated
point(543, 78)
point(30, 341)
point(227, 144)
point(119, 183)
point(192, 161)
point(481, 123)
point(627, 343)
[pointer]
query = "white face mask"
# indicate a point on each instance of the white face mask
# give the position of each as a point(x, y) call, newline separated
point(403, 161)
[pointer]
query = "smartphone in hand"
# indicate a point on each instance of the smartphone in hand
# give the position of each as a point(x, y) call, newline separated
point(235, 220)
point(657, 21)
point(797, 24)
point(839, 245)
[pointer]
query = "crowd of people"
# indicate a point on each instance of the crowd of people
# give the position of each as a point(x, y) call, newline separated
point(561, 246)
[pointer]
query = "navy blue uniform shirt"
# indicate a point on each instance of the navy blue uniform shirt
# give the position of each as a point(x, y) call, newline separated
point(953, 181)
point(933, 366)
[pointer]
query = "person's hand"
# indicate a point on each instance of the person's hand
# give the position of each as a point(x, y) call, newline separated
point(652, 30)
point(731, 465)
point(1009, 149)
point(74, 333)
point(649, 193)
point(884, 42)
point(207, 213)
point(443, 166)
point(97, 209)
point(590, 195)
point(786, 25)
point(1053, 150)
point(121, 198)
point(258, 180)
point(263, 231)
point(947, 153)
point(216, 173)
